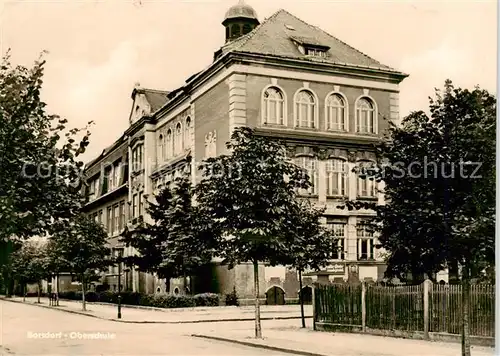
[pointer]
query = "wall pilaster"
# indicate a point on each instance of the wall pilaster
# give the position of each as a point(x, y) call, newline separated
point(237, 101)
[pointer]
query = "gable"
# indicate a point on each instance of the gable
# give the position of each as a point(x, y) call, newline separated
point(281, 35)
point(146, 102)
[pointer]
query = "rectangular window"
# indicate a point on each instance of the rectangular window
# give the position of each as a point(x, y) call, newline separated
point(99, 217)
point(140, 205)
point(117, 172)
point(366, 241)
point(109, 221)
point(116, 219)
point(336, 177)
point(367, 187)
point(111, 178)
point(135, 206)
point(137, 158)
point(310, 165)
point(339, 229)
point(122, 215)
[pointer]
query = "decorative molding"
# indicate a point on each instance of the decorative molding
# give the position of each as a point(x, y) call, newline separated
point(274, 81)
point(291, 150)
point(306, 85)
point(351, 156)
point(336, 88)
point(366, 92)
point(312, 77)
point(211, 144)
point(321, 153)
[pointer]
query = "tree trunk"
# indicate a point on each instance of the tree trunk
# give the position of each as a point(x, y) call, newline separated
point(301, 299)
point(57, 289)
point(24, 291)
point(84, 307)
point(10, 287)
point(39, 290)
point(465, 311)
point(258, 327)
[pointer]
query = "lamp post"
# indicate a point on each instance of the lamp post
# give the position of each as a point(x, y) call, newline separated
point(120, 253)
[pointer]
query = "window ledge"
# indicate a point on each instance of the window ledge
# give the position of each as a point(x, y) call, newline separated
point(307, 195)
point(268, 124)
point(362, 197)
point(312, 129)
point(337, 131)
point(369, 134)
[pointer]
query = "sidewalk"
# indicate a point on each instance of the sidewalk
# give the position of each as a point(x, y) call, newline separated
point(171, 316)
point(316, 343)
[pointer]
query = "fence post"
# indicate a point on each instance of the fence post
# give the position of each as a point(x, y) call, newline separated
point(427, 286)
point(363, 306)
point(314, 305)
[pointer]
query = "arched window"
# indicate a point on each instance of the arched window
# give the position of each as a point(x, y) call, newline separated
point(336, 113)
point(169, 145)
point(273, 110)
point(365, 116)
point(235, 30)
point(367, 187)
point(160, 148)
point(247, 28)
point(188, 133)
point(178, 139)
point(310, 164)
point(305, 109)
point(336, 177)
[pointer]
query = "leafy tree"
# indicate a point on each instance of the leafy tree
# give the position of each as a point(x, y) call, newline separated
point(27, 265)
point(81, 243)
point(439, 174)
point(55, 264)
point(248, 193)
point(312, 244)
point(179, 241)
point(39, 157)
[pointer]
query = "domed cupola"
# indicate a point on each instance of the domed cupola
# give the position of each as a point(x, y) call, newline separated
point(240, 19)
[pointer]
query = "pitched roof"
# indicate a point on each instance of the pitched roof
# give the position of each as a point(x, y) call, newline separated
point(274, 37)
point(156, 98)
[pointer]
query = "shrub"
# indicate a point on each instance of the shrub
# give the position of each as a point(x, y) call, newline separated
point(172, 301)
point(91, 297)
point(147, 300)
point(131, 298)
point(102, 287)
point(232, 298)
point(206, 300)
point(68, 295)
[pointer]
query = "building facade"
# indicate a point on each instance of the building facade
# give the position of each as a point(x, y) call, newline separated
point(287, 79)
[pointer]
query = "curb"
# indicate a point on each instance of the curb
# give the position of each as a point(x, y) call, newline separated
point(150, 321)
point(259, 346)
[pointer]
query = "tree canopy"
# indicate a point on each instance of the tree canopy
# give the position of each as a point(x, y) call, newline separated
point(439, 176)
point(39, 164)
point(179, 240)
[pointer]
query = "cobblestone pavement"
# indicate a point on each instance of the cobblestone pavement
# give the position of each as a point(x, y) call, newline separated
point(30, 330)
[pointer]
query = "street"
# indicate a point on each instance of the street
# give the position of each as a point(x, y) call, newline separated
point(21, 324)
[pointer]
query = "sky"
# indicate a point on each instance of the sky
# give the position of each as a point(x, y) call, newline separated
point(98, 50)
